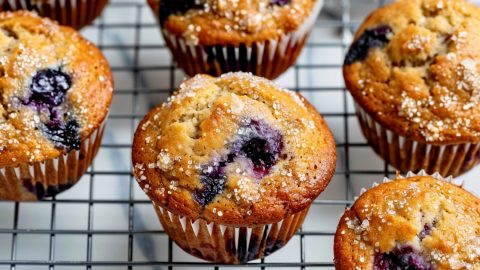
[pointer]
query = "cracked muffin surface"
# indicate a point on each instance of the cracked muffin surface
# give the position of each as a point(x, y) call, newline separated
point(55, 89)
point(221, 22)
point(414, 67)
point(236, 150)
point(418, 223)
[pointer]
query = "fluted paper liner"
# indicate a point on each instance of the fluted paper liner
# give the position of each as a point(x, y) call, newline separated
point(409, 155)
point(74, 13)
point(33, 181)
point(267, 59)
point(228, 244)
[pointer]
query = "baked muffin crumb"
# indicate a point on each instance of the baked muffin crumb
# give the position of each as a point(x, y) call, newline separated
point(56, 89)
point(228, 22)
point(414, 68)
point(245, 151)
point(413, 223)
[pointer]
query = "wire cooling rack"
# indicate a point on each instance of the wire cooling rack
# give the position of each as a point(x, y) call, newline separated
point(106, 221)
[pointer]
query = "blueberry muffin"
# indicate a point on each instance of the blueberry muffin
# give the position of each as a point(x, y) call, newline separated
point(413, 72)
point(214, 37)
point(417, 223)
point(74, 13)
point(238, 153)
point(55, 91)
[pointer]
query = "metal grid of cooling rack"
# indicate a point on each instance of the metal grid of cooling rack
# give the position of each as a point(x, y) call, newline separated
point(106, 222)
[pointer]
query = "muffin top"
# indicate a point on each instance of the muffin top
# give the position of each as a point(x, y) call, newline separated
point(224, 22)
point(418, 223)
point(414, 67)
point(55, 89)
point(236, 150)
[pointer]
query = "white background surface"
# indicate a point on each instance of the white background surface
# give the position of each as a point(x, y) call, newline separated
point(99, 207)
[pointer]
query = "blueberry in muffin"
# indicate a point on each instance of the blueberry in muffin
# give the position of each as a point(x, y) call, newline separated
point(371, 38)
point(214, 37)
point(56, 89)
point(420, 222)
point(47, 94)
point(237, 152)
point(413, 71)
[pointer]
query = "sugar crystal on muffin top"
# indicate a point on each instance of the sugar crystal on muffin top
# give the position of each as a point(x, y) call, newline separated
point(419, 79)
point(55, 86)
point(237, 144)
point(230, 20)
point(419, 223)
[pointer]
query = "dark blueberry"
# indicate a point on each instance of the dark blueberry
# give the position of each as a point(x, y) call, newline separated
point(262, 145)
point(63, 135)
point(257, 150)
point(39, 190)
point(280, 2)
point(371, 38)
point(427, 230)
point(213, 180)
point(401, 258)
point(54, 190)
point(49, 87)
point(36, 189)
point(169, 7)
point(47, 93)
point(259, 143)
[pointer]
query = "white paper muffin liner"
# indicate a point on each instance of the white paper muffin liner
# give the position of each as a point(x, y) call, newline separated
point(228, 244)
point(34, 181)
point(74, 13)
point(358, 225)
point(267, 59)
point(409, 155)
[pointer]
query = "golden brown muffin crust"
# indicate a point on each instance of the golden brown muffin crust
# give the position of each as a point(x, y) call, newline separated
point(28, 44)
point(225, 22)
point(424, 82)
point(200, 123)
point(396, 213)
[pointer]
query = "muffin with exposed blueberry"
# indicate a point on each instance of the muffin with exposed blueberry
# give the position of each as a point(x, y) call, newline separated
point(413, 71)
point(234, 155)
point(55, 91)
point(74, 13)
point(214, 37)
point(418, 223)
